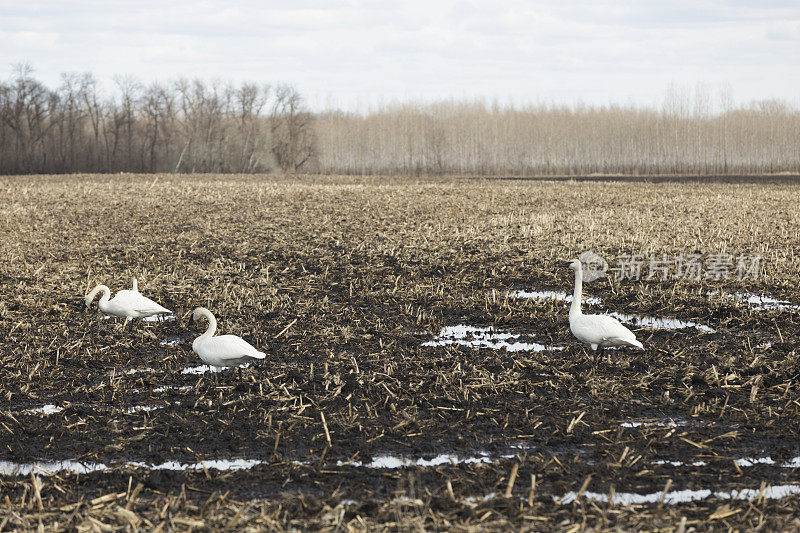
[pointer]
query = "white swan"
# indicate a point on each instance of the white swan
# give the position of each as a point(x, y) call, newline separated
point(222, 351)
point(127, 304)
point(596, 330)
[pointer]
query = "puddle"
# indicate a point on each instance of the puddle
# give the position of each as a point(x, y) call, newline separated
point(553, 295)
point(392, 462)
point(683, 496)
point(488, 337)
point(45, 410)
point(659, 323)
point(760, 303)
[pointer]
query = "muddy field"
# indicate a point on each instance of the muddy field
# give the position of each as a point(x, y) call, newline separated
point(420, 372)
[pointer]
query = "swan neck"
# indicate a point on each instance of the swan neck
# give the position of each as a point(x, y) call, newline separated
point(212, 324)
point(575, 308)
point(103, 299)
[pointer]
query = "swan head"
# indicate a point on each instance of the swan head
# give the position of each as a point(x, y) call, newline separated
point(198, 313)
point(575, 264)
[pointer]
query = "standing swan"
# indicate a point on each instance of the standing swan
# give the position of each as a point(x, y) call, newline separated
point(222, 351)
point(127, 304)
point(595, 330)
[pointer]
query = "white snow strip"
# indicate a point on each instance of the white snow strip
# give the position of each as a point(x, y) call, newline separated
point(158, 318)
point(659, 323)
point(392, 462)
point(761, 303)
point(172, 387)
point(45, 410)
point(202, 369)
point(140, 408)
point(553, 295)
point(682, 496)
point(488, 337)
point(10, 468)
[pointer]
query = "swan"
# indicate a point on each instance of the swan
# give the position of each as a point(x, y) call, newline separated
point(222, 351)
point(595, 330)
point(127, 304)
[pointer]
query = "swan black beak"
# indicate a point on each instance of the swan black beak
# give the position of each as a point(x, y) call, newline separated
point(565, 265)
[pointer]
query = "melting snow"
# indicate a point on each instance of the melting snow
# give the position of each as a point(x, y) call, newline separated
point(10, 468)
point(390, 461)
point(659, 323)
point(761, 303)
point(45, 410)
point(158, 318)
point(681, 496)
point(476, 337)
point(553, 295)
point(202, 369)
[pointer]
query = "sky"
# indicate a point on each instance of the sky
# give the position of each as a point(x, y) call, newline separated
point(362, 53)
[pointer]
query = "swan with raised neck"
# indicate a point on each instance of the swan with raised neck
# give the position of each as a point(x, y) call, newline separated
point(224, 350)
point(598, 331)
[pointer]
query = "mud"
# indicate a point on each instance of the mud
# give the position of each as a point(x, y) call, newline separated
point(367, 402)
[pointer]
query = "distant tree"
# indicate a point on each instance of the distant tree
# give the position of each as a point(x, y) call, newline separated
point(293, 139)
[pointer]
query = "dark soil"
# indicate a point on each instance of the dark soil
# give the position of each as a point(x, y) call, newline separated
point(341, 282)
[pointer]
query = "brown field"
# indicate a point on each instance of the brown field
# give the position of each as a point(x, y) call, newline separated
point(341, 280)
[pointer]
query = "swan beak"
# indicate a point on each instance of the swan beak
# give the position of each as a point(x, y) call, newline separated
point(565, 265)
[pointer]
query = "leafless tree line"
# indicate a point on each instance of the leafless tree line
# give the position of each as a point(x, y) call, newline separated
point(182, 126)
point(690, 133)
point(196, 126)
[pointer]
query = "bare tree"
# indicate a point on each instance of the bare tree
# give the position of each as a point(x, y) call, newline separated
point(293, 140)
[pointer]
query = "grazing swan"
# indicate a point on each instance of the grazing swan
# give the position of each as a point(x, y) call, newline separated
point(595, 330)
point(127, 304)
point(222, 351)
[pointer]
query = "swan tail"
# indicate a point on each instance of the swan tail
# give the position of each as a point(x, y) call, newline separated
point(636, 343)
point(257, 355)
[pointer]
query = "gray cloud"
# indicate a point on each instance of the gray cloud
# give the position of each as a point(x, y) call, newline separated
point(367, 51)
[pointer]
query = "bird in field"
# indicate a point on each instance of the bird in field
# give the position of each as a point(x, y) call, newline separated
point(127, 304)
point(598, 331)
point(222, 351)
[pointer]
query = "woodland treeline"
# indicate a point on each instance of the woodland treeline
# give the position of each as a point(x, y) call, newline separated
point(197, 126)
point(181, 126)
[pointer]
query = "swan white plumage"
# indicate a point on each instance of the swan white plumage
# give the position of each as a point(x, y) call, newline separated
point(222, 351)
point(127, 304)
point(598, 331)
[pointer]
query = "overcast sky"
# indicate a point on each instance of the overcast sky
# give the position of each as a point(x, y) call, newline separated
point(353, 54)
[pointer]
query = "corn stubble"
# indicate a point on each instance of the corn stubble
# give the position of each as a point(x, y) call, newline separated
point(340, 280)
